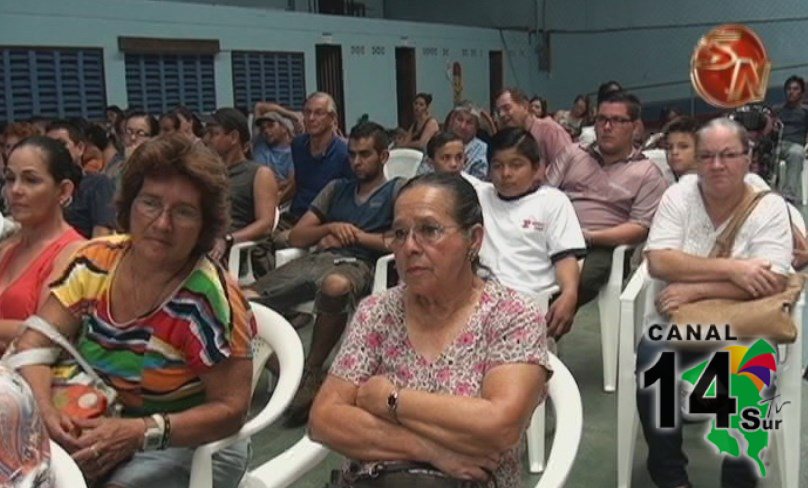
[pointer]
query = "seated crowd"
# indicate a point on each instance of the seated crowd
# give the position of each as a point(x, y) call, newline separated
point(117, 236)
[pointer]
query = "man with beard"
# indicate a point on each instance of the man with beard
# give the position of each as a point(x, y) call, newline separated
point(345, 222)
point(794, 116)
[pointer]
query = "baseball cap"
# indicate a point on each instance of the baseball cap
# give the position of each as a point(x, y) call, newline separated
point(229, 119)
point(277, 117)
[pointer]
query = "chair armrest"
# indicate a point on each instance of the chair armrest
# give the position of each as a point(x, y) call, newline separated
point(630, 324)
point(380, 273)
point(289, 466)
point(234, 258)
point(286, 344)
point(618, 263)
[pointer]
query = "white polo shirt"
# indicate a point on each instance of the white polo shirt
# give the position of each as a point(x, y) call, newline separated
point(524, 237)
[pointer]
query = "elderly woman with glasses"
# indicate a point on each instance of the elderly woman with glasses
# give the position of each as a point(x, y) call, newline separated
point(436, 377)
point(692, 214)
point(160, 322)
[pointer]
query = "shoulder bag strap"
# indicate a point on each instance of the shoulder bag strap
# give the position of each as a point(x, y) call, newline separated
point(725, 240)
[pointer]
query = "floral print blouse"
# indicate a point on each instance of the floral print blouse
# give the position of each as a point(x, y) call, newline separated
point(24, 442)
point(506, 327)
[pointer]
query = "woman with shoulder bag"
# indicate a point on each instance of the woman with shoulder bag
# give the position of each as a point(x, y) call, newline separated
point(712, 237)
point(437, 378)
point(160, 322)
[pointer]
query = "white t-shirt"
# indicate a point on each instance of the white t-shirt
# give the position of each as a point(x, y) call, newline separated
point(524, 237)
point(681, 222)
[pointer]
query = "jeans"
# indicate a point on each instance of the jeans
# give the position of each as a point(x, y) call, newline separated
point(794, 155)
point(666, 461)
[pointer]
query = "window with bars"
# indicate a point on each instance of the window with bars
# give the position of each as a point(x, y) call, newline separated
point(271, 76)
point(52, 83)
point(157, 83)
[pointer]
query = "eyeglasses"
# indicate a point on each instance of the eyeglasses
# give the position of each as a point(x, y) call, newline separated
point(421, 233)
point(723, 157)
point(614, 121)
point(153, 208)
point(137, 134)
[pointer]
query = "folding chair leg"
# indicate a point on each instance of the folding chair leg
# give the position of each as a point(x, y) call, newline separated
point(535, 440)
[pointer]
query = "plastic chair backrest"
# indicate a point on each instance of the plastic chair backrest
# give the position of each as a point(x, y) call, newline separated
point(402, 163)
point(65, 471)
point(562, 391)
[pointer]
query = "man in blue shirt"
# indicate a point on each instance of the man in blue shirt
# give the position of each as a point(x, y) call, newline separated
point(345, 222)
point(319, 156)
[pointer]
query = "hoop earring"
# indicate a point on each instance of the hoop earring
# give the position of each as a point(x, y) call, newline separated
point(66, 203)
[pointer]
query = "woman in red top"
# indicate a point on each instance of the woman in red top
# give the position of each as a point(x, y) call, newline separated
point(40, 180)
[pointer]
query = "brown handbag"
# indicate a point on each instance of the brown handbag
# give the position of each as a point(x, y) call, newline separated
point(768, 317)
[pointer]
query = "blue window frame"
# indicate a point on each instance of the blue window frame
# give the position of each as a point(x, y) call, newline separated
point(271, 76)
point(52, 82)
point(157, 83)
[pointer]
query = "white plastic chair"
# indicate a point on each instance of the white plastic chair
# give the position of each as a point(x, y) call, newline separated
point(562, 390)
point(65, 471)
point(633, 302)
point(246, 276)
point(535, 431)
point(402, 163)
point(609, 308)
point(278, 335)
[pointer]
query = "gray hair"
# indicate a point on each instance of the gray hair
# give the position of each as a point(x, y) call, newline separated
point(724, 123)
point(331, 105)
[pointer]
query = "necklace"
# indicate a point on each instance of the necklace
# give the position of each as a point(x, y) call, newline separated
point(161, 296)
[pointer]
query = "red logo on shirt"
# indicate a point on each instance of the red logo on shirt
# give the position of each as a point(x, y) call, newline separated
point(532, 224)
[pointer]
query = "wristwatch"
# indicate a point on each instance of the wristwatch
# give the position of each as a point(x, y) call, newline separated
point(392, 404)
point(229, 239)
point(155, 430)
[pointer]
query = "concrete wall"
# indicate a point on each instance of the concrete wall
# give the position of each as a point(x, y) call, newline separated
point(369, 70)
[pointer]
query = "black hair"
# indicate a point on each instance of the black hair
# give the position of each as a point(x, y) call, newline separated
point(794, 79)
point(519, 139)
point(188, 114)
point(467, 211)
point(57, 159)
point(172, 116)
point(381, 139)
point(687, 125)
point(73, 132)
point(97, 136)
point(607, 88)
point(543, 102)
point(440, 139)
point(427, 97)
point(632, 103)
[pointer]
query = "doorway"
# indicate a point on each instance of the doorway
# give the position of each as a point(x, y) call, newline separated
point(329, 77)
point(405, 85)
point(496, 79)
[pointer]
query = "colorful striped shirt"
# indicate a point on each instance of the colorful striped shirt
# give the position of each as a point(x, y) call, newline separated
point(155, 361)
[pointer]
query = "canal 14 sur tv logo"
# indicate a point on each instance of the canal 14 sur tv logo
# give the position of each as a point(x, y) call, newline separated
point(730, 388)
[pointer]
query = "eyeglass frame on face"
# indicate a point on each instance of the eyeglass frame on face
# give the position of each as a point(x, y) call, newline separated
point(152, 207)
point(602, 120)
point(136, 133)
point(419, 234)
point(723, 156)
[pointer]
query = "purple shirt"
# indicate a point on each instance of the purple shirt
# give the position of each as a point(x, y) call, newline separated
point(605, 196)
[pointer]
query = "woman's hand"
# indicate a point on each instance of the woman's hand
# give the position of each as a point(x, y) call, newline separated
point(755, 277)
point(372, 397)
point(461, 466)
point(219, 248)
point(106, 442)
point(677, 294)
point(61, 429)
